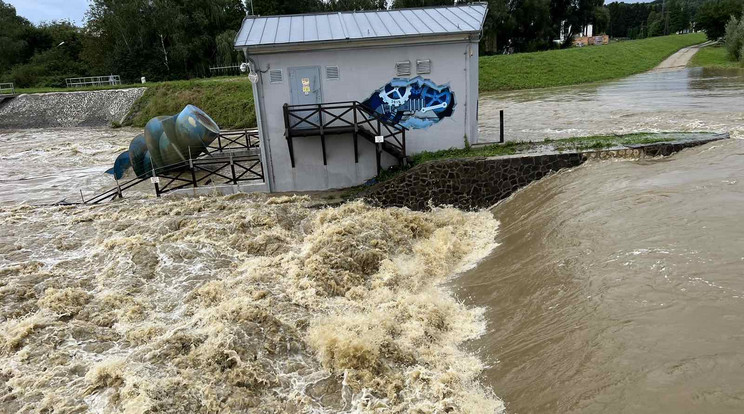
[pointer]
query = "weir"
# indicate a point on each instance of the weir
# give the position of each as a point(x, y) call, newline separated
point(474, 183)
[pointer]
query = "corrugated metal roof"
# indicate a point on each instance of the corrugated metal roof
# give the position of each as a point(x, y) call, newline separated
point(361, 25)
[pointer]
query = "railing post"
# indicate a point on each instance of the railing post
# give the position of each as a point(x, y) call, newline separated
point(356, 133)
point(155, 181)
point(219, 142)
point(501, 126)
point(247, 139)
point(232, 169)
point(320, 118)
point(191, 166)
point(378, 156)
point(288, 134)
point(404, 146)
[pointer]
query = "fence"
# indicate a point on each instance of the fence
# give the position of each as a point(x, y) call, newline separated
point(224, 70)
point(109, 80)
point(7, 89)
point(349, 117)
point(231, 159)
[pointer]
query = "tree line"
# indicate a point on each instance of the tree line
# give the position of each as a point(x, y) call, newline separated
point(181, 39)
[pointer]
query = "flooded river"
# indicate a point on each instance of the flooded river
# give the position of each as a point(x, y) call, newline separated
point(614, 287)
point(618, 287)
point(693, 99)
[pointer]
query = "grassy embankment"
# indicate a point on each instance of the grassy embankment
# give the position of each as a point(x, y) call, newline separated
point(713, 57)
point(230, 102)
point(579, 65)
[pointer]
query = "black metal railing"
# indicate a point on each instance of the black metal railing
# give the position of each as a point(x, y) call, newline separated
point(343, 118)
point(232, 158)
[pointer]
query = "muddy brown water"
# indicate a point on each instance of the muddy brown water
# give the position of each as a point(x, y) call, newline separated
point(693, 99)
point(618, 287)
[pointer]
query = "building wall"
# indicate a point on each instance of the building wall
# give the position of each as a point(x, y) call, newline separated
point(362, 72)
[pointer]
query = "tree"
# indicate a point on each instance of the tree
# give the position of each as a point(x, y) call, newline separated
point(713, 15)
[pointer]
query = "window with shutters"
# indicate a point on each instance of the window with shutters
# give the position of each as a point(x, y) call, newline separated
point(275, 76)
point(403, 68)
point(423, 66)
point(332, 72)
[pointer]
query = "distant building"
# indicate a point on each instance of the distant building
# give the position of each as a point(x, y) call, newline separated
point(327, 86)
point(585, 37)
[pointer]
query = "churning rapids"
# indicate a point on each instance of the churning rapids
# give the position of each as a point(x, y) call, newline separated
point(616, 287)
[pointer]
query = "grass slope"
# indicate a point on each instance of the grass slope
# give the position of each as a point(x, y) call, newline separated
point(579, 65)
point(713, 57)
point(228, 101)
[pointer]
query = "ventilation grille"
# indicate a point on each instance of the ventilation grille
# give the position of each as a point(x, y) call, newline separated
point(332, 72)
point(423, 66)
point(403, 68)
point(275, 76)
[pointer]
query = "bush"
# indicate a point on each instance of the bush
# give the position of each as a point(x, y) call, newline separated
point(734, 37)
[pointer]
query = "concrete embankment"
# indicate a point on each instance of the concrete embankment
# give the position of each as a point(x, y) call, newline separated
point(68, 109)
point(472, 183)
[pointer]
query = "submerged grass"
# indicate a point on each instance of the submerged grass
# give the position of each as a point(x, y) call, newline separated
point(714, 57)
point(579, 65)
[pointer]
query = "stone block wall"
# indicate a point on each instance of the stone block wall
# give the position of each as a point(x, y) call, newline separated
point(68, 109)
point(472, 183)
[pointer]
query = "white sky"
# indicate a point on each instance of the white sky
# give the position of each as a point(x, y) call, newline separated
point(38, 11)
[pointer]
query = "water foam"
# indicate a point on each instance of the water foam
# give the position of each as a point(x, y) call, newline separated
point(239, 303)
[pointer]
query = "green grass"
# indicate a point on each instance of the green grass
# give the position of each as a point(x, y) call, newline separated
point(579, 65)
point(229, 103)
point(229, 100)
point(596, 142)
point(714, 57)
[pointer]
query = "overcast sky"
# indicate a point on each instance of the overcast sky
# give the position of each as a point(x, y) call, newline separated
point(38, 11)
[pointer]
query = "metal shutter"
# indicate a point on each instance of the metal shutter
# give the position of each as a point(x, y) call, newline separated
point(403, 68)
point(275, 76)
point(332, 72)
point(423, 66)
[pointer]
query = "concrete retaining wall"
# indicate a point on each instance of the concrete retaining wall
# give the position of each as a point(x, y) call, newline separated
point(68, 109)
point(472, 183)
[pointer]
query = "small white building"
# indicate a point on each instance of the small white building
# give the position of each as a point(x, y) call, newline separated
point(328, 86)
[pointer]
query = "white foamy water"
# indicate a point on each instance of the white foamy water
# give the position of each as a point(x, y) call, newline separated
point(239, 304)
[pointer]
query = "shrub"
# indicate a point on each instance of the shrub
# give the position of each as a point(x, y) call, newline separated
point(734, 37)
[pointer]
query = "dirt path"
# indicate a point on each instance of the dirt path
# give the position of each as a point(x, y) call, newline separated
point(680, 58)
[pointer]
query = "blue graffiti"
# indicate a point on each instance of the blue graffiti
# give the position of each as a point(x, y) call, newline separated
point(413, 103)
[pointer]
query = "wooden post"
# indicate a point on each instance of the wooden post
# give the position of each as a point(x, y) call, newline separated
point(355, 134)
point(118, 188)
point(378, 154)
point(232, 169)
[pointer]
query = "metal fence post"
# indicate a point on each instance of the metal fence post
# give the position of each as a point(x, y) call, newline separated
point(501, 126)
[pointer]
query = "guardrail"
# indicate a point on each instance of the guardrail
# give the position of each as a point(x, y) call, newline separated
point(7, 89)
point(109, 80)
point(224, 70)
point(232, 158)
point(350, 117)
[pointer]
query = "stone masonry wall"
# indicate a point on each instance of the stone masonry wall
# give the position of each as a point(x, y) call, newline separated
point(472, 183)
point(68, 109)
